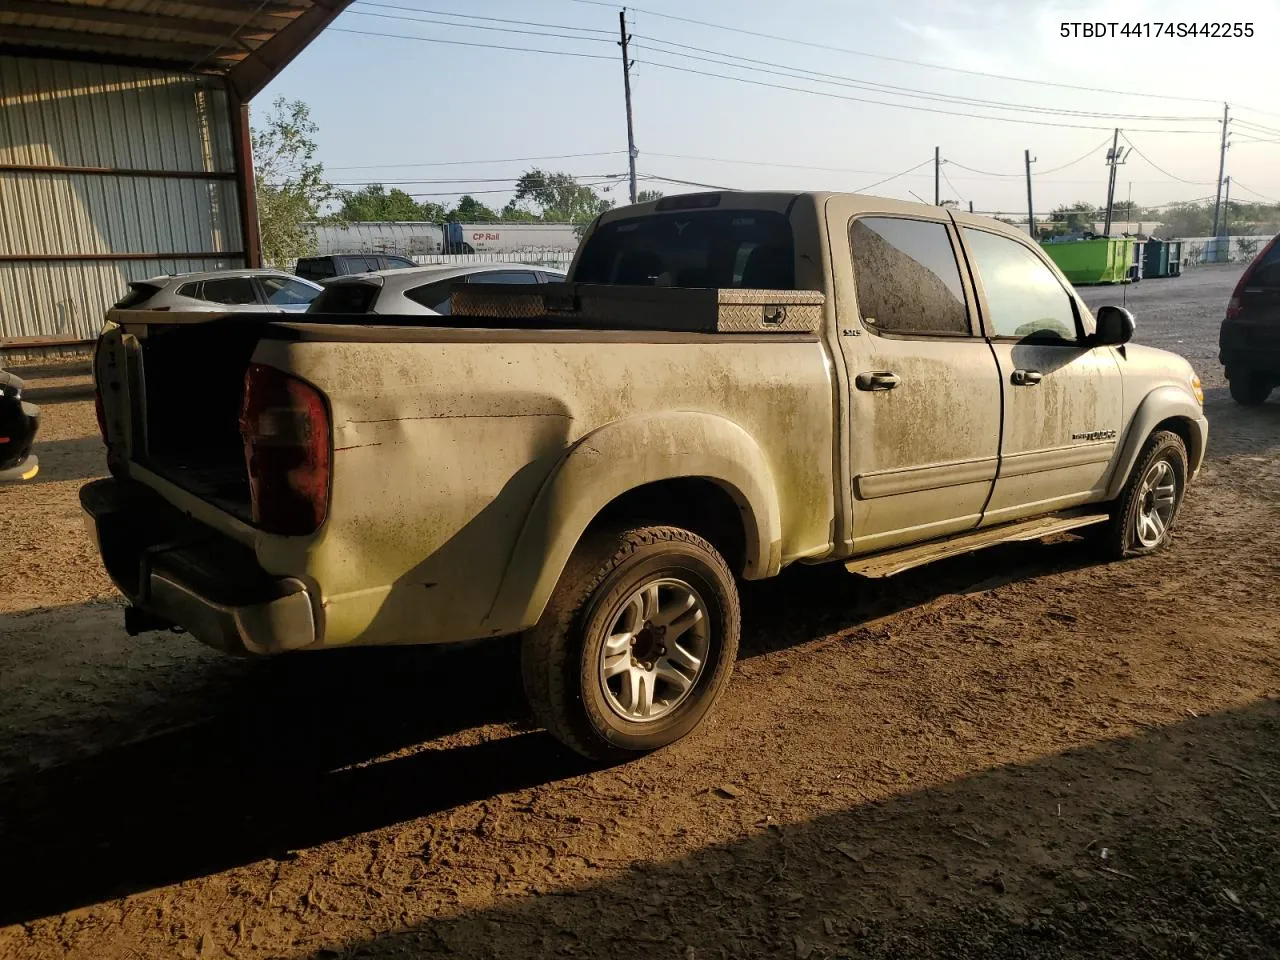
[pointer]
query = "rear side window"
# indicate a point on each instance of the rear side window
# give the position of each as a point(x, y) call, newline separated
point(345, 298)
point(190, 290)
point(139, 294)
point(359, 264)
point(1023, 296)
point(232, 291)
point(398, 263)
point(434, 296)
point(284, 291)
point(907, 277)
point(698, 248)
point(316, 268)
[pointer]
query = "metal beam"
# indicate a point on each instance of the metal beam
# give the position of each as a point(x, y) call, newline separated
point(258, 69)
point(119, 172)
point(209, 31)
point(87, 257)
point(246, 184)
point(170, 51)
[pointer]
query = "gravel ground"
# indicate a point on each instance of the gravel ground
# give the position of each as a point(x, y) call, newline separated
point(1024, 753)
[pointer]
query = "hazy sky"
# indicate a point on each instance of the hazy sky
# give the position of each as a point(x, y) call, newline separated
point(403, 103)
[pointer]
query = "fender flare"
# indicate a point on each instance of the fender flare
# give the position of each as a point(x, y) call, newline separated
point(615, 459)
point(1163, 403)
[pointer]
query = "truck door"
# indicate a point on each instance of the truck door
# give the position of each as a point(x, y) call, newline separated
point(924, 389)
point(1062, 397)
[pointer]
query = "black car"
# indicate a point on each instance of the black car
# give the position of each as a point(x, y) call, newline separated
point(1249, 342)
point(19, 421)
point(317, 269)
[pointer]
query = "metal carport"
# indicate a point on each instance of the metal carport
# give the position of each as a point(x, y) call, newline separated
point(124, 148)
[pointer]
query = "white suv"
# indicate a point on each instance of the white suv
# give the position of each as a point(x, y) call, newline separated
point(420, 291)
point(236, 291)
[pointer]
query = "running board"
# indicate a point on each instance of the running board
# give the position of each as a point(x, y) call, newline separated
point(890, 562)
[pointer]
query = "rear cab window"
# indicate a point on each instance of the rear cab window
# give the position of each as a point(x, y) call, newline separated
point(736, 249)
point(316, 268)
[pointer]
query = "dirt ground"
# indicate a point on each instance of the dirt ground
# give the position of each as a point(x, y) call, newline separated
point(1023, 753)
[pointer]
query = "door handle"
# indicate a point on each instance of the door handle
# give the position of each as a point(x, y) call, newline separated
point(1026, 378)
point(876, 380)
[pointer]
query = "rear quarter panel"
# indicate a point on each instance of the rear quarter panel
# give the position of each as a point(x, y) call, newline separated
point(440, 449)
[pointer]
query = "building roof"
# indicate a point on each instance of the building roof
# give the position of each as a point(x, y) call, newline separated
point(246, 41)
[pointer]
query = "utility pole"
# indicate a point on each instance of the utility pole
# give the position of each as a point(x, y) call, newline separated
point(1031, 214)
point(626, 86)
point(937, 169)
point(1114, 159)
point(1222, 167)
point(971, 206)
point(1226, 216)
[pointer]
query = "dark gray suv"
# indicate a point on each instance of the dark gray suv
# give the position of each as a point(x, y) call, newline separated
point(1249, 342)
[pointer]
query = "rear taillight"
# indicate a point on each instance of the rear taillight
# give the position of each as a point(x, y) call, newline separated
point(285, 427)
point(1234, 305)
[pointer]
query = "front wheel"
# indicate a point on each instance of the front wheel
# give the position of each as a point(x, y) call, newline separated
point(636, 644)
point(1143, 518)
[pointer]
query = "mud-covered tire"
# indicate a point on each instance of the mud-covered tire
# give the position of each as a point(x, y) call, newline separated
point(1119, 538)
point(561, 656)
point(1249, 388)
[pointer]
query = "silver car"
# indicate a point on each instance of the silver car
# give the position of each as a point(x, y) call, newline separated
point(421, 290)
point(236, 291)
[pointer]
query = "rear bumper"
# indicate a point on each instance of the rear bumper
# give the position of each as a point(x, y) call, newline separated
point(183, 572)
point(1250, 346)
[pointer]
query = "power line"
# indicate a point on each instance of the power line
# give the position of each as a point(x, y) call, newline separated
point(1083, 156)
point(817, 76)
point(901, 106)
point(472, 16)
point(985, 173)
point(1255, 126)
point(1237, 183)
point(684, 183)
point(477, 26)
point(384, 183)
point(1197, 183)
point(464, 43)
point(464, 163)
point(894, 176)
point(915, 63)
point(943, 170)
point(611, 181)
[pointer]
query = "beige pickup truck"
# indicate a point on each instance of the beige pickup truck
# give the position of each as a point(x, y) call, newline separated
point(727, 384)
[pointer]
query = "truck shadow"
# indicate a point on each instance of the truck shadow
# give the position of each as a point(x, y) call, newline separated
point(265, 757)
point(1156, 845)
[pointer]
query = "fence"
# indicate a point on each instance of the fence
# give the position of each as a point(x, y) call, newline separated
point(555, 259)
point(1201, 250)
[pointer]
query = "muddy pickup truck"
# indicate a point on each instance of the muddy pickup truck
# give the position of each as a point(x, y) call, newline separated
point(727, 384)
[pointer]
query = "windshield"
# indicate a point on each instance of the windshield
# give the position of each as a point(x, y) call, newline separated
point(702, 248)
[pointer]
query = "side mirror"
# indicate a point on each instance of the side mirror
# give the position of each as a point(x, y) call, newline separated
point(1115, 326)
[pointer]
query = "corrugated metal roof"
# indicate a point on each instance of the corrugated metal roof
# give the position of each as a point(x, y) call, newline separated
point(248, 41)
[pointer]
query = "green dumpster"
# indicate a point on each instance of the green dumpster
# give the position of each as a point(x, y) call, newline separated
point(1155, 260)
point(1092, 261)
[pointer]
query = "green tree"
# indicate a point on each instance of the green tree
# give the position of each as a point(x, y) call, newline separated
point(644, 196)
point(1187, 220)
point(558, 197)
point(374, 202)
point(291, 186)
point(471, 210)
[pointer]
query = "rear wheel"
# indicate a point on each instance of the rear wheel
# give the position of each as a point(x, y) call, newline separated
point(1249, 388)
point(636, 644)
point(1143, 517)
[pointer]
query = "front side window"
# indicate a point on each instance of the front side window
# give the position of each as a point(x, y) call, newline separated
point(232, 291)
point(1024, 298)
point(907, 277)
point(283, 291)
